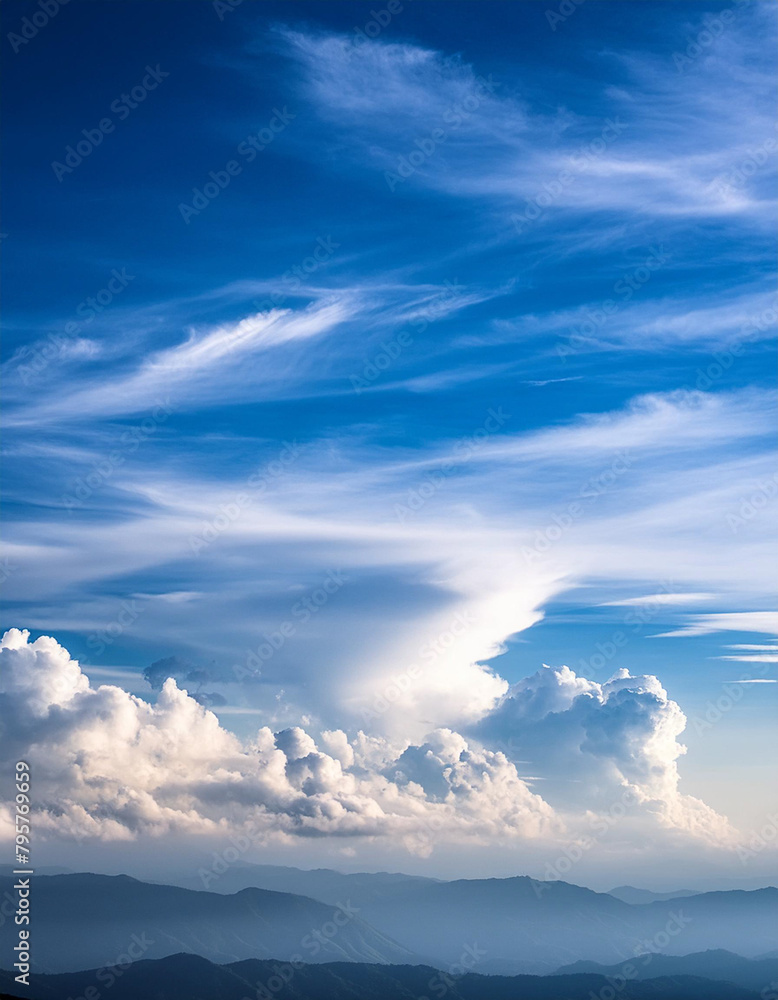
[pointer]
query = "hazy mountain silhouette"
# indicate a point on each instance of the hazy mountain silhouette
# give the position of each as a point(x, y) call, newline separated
point(753, 974)
point(323, 884)
point(629, 894)
point(516, 925)
point(327, 884)
point(8, 870)
point(183, 977)
point(84, 921)
point(535, 926)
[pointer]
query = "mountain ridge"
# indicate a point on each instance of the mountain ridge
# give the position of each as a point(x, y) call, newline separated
point(85, 920)
point(183, 976)
point(718, 964)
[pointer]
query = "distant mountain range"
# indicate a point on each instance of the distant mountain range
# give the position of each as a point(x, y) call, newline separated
point(184, 977)
point(532, 927)
point(629, 894)
point(329, 885)
point(719, 965)
point(515, 925)
point(86, 921)
point(323, 884)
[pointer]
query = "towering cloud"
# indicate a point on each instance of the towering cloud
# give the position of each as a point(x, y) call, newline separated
point(603, 740)
point(110, 766)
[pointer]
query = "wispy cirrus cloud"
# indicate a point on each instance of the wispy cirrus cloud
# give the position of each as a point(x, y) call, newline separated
point(385, 518)
point(710, 321)
point(737, 621)
point(666, 154)
point(192, 368)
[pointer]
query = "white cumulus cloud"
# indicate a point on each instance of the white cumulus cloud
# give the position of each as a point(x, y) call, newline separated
point(592, 742)
point(110, 766)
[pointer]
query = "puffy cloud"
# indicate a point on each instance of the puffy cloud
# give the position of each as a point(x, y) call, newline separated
point(173, 666)
point(596, 741)
point(38, 677)
point(295, 743)
point(428, 765)
point(169, 666)
point(545, 692)
point(108, 765)
point(336, 742)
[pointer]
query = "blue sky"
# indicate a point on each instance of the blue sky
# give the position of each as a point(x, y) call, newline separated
point(344, 333)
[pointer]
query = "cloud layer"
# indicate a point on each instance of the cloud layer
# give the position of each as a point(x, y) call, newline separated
point(110, 766)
